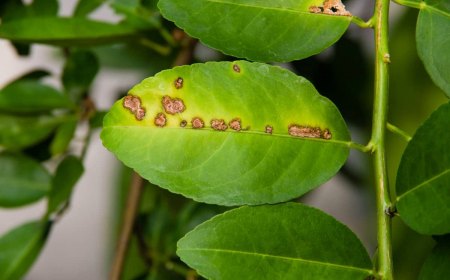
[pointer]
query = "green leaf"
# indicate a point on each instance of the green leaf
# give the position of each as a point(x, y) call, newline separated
point(30, 96)
point(139, 13)
point(436, 266)
point(285, 241)
point(433, 42)
point(278, 30)
point(260, 163)
point(22, 180)
point(20, 247)
point(85, 7)
point(67, 175)
point(79, 71)
point(63, 136)
point(423, 178)
point(21, 131)
point(16, 9)
point(68, 32)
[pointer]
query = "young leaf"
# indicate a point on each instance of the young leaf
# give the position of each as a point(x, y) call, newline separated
point(228, 133)
point(285, 241)
point(20, 247)
point(30, 96)
point(67, 175)
point(258, 30)
point(69, 32)
point(22, 180)
point(21, 131)
point(436, 267)
point(433, 44)
point(423, 178)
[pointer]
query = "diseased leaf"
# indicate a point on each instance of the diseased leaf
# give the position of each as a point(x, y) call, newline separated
point(279, 30)
point(285, 241)
point(433, 40)
point(30, 96)
point(436, 266)
point(21, 131)
point(67, 175)
point(22, 180)
point(69, 32)
point(20, 247)
point(423, 178)
point(223, 134)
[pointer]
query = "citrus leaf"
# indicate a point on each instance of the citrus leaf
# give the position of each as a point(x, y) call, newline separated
point(250, 133)
point(27, 96)
point(433, 41)
point(69, 32)
point(63, 136)
point(21, 131)
point(67, 175)
point(278, 30)
point(22, 180)
point(85, 7)
point(20, 247)
point(423, 178)
point(285, 241)
point(436, 265)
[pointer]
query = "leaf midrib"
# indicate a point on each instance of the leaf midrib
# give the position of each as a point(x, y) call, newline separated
point(338, 266)
point(331, 141)
point(424, 183)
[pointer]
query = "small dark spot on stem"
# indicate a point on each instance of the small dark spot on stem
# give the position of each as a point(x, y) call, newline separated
point(133, 104)
point(197, 123)
point(160, 120)
point(218, 124)
point(235, 124)
point(183, 123)
point(269, 129)
point(236, 68)
point(178, 83)
point(172, 105)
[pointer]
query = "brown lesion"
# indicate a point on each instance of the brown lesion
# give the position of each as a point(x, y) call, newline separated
point(268, 129)
point(235, 124)
point(197, 123)
point(178, 83)
point(183, 123)
point(236, 68)
point(330, 7)
point(134, 105)
point(218, 124)
point(160, 120)
point(172, 105)
point(309, 132)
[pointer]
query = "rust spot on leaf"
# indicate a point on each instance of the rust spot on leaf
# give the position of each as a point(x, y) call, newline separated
point(178, 83)
point(308, 132)
point(236, 68)
point(133, 104)
point(160, 120)
point(235, 124)
point(269, 129)
point(218, 124)
point(197, 123)
point(172, 105)
point(183, 123)
point(330, 7)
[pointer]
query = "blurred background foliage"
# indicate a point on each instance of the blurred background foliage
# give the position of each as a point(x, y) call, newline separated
point(43, 129)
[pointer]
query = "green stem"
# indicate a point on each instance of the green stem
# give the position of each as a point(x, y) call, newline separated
point(383, 200)
point(392, 128)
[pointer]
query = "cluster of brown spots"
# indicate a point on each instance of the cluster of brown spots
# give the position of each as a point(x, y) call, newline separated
point(235, 124)
point(183, 123)
point(172, 105)
point(269, 129)
point(308, 132)
point(133, 103)
point(218, 124)
point(160, 120)
point(178, 83)
point(330, 7)
point(197, 123)
point(236, 68)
